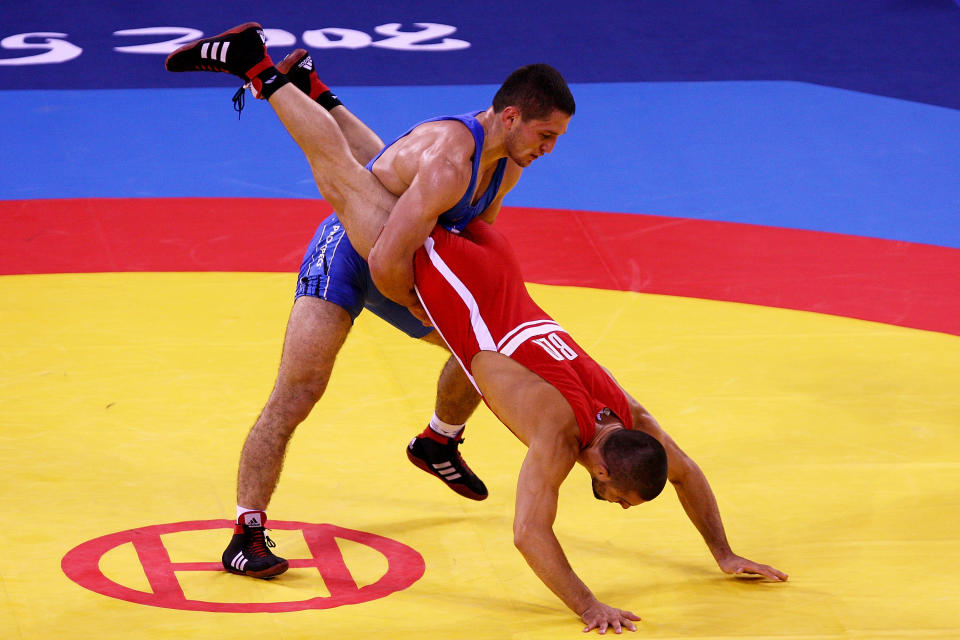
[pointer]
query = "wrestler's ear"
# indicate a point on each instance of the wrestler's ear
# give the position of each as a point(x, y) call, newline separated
point(510, 116)
point(601, 472)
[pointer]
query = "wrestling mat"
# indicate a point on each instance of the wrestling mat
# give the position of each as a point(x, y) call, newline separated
point(753, 221)
point(830, 443)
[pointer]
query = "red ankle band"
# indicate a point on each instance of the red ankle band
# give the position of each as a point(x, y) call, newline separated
point(258, 68)
point(433, 435)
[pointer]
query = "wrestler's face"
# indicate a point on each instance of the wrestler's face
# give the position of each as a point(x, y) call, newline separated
point(605, 490)
point(527, 140)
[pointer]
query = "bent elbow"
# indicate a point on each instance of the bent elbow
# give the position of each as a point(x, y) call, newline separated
point(521, 537)
point(379, 268)
point(375, 255)
point(683, 469)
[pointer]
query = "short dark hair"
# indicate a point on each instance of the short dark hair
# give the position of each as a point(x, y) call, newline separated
point(537, 90)
point(635, 461)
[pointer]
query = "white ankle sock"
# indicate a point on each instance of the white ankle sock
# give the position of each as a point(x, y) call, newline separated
point(243, 510)
point(445, 429)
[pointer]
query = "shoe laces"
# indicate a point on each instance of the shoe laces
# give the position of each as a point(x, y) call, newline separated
point(239, 100)
point(463, 463)
point(456, 457)
point(259, 543)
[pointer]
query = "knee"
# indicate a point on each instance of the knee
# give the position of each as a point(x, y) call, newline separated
point(292, 401)
point(329, 189)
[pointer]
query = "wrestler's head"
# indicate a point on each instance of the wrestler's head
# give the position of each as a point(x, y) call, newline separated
point(537, 90)
point(633, 468)
point(535, 106)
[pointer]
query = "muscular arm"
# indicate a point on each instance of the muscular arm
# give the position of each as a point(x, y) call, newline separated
point(697, 498)
point(432, 169)
point(691, 485)
point(438, 184)
point(547, 463)
point(538, 485)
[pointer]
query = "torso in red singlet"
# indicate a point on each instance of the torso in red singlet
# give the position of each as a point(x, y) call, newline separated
point(471, 286)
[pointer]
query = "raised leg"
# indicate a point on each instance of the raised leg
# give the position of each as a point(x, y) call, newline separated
point(299, 68)
point(361, 201)
point(364, 143)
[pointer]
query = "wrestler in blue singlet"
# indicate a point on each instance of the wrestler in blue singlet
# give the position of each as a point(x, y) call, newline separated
point(332, 270)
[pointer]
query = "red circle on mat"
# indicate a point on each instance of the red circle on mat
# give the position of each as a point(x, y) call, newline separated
point(82, 565)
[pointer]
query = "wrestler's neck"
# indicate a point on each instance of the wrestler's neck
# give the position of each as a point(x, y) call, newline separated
point(590, 454)
point(494, 137)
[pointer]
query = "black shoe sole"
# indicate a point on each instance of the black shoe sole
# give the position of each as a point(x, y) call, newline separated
point(265, 574)
point(463, 490)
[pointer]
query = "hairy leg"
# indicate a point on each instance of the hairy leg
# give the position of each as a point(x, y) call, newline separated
point(315, 333)
point(364, 143)
point(361, 201)
point(456, 397)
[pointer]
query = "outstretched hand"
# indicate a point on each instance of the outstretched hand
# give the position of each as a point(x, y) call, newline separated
point(601, 617)
point(737, 565)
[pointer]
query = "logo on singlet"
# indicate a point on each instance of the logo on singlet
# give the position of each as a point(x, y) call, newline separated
point(322, 257)
point(556, 347)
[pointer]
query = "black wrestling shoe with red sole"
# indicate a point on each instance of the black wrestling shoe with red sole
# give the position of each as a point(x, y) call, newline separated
point(249, 551)
point(241, 51)
point(439, 456)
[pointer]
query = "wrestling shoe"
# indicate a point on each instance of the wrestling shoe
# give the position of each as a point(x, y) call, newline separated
point(248, 553)
point(439, 455)
point(299, 69)
point(241, 51)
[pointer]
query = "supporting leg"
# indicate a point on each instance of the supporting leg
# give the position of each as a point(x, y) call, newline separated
point(315, 333)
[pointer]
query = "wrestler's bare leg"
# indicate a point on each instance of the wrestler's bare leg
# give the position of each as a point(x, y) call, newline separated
point(456, 397)
point(356, 194)
point(364, 143)
point(315, 333)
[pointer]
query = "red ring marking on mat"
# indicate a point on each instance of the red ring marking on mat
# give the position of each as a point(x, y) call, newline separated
point(81, 564)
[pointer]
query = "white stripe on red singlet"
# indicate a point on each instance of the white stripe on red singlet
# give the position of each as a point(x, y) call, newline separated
point(520, 327)
point(512, 340)
point(436, 260)
point(480, 329)
point(521, 335)
point(462, 367)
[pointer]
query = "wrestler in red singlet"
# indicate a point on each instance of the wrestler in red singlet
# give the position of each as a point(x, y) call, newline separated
point(471, 287)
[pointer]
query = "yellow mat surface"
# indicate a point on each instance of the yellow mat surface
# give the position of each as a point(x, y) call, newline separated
point(832, 445)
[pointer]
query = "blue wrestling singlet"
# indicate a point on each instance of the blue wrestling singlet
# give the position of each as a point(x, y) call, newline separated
point(332, 270)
